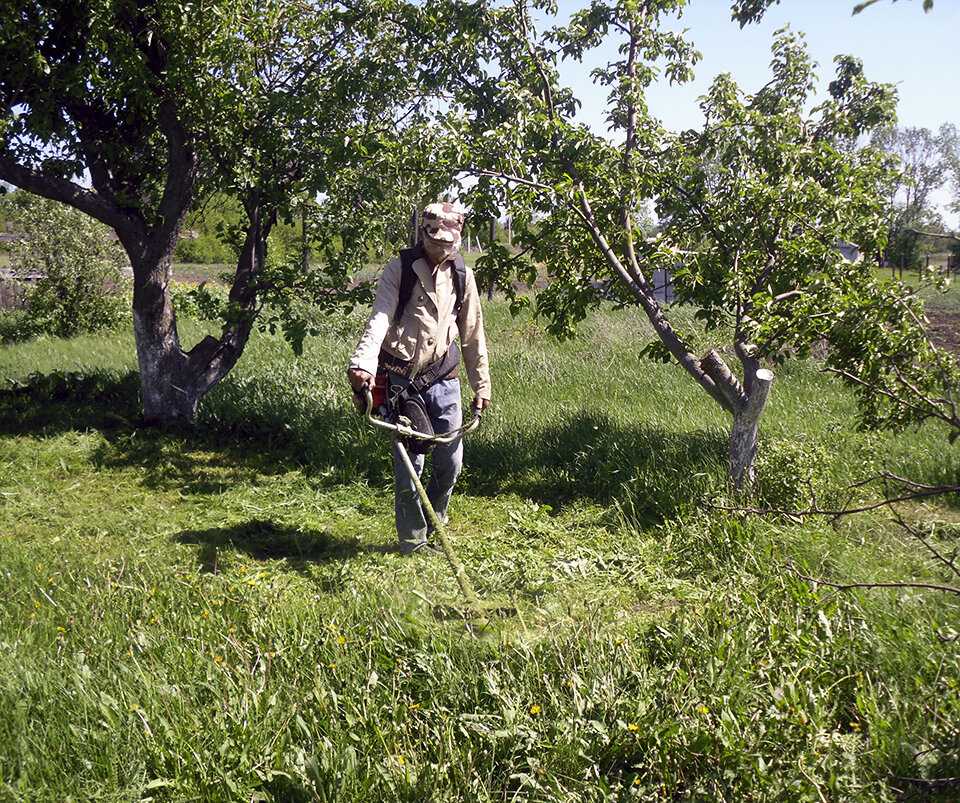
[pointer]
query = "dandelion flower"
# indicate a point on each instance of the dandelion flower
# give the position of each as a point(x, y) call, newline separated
point(534, 709)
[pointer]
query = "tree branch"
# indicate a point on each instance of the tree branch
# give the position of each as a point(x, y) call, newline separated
point(846, 586)
point(63, 190)
point(939, 236)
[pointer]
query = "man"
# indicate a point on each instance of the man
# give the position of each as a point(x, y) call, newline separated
point(407, 341)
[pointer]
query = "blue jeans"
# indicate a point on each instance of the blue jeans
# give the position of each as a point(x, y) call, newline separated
point(442, 402)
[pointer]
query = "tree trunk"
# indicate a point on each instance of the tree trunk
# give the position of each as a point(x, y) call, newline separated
point(746, 425)
point(172, 381)
point(166, 393)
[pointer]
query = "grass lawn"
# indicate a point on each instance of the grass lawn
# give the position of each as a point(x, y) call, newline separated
point(221, 614)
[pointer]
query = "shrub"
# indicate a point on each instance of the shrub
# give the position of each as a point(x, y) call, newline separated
point(12, 325)
point(789, 474)
point(206, 249)
point(81, 287)
point(202, 302)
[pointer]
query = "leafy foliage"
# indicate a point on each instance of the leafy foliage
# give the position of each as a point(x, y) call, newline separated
point(764, 198)
point(76, 285)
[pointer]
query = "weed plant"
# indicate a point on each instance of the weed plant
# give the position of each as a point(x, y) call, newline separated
point(219, 613)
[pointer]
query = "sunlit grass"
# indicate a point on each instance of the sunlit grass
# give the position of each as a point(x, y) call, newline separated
point(220, 613)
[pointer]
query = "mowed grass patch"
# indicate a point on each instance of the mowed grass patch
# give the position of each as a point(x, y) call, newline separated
point(220, 614)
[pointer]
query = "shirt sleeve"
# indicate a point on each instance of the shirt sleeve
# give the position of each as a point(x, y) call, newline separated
point(473, 340)
point(367, 354)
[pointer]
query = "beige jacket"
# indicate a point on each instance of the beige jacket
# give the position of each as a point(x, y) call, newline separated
point(427, 327)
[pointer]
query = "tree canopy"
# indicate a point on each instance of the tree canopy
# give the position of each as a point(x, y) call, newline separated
point(751, 210)
point(128, 111)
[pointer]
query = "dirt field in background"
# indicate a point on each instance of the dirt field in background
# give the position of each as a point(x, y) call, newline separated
point(945, 329)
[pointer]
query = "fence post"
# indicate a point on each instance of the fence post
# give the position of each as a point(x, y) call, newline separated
point(493, 233)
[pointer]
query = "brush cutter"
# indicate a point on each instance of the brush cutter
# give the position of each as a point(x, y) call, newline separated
point(404, 435)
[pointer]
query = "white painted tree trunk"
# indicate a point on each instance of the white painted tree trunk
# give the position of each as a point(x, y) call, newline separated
point(746, 424)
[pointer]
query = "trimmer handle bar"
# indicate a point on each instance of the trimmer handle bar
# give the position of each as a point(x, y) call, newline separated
point(403, 431)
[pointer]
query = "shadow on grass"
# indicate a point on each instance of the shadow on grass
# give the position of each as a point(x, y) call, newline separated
point(251, 428)
point(254, 427)
point(236, 440)
point(61, 401)
point(229, 443)
point(651, 470)
point(262, 539)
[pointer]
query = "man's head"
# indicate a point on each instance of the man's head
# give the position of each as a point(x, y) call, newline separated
point(441, 224)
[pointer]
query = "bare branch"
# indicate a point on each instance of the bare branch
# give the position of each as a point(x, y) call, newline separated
point(847, 586)
point(939, 236)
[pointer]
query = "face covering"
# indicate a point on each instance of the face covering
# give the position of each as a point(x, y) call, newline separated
point(448, 249)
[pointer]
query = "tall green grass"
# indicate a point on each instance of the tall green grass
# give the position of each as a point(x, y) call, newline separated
point(220, 613)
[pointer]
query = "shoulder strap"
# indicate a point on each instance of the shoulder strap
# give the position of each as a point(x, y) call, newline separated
point(459, 282)
point(436, 371)
point(408, 279)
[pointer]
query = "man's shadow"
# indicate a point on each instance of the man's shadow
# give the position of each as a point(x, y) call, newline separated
point(263, 539)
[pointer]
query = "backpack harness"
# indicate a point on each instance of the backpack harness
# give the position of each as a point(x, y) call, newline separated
point(408, 280)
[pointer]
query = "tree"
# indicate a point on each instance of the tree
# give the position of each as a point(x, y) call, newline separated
point(950, 154)
point(922, 169)
point(80, 287)
point(155, 103)
point(752, 208)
